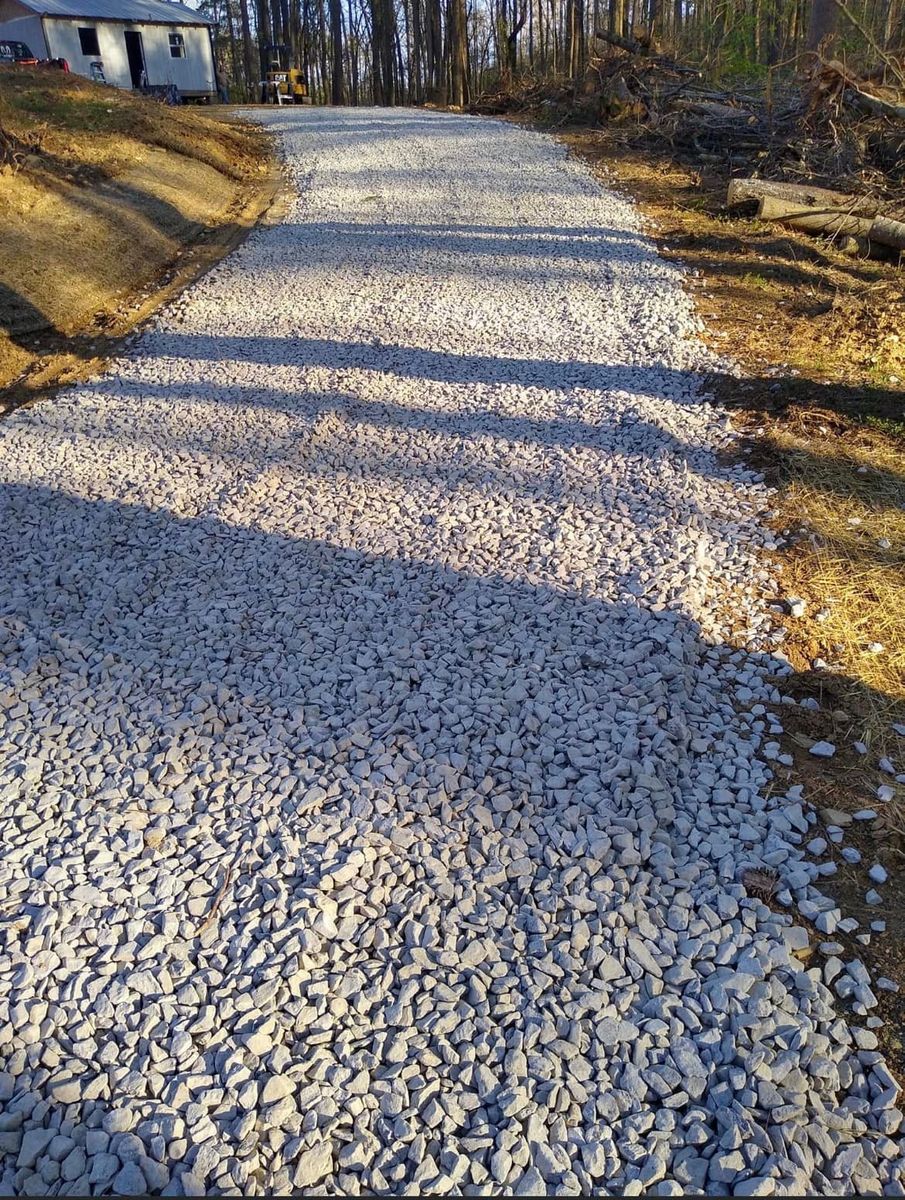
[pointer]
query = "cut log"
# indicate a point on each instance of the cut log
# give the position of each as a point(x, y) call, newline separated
point(877, 105)
point(632, 45)
point(712, 108)
point(741, 190)
point(819, 210)
point(828, 221)
point(888, 232)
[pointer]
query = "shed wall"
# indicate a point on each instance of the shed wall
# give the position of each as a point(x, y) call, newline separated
point(192, 74)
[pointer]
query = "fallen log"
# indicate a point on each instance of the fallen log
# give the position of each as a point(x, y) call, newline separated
point(712, 108)
point(888, 232)
point(741, 190)
point(829, 222)
point(832, 78)
point(632, 45)
point(877, 105)
point(819, 210)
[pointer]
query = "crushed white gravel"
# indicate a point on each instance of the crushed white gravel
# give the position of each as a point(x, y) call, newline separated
point(377, 788)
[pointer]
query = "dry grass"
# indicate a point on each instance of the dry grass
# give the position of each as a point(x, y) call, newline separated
point(849, 499)
point(98, 127)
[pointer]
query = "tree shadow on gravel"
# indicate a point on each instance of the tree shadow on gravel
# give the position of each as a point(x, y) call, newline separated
point(165, 605)
point(112, 610)
point(116, 613)
point(364, 124)
point(558, 433)
point(656, 381)
point(170, 657)
point(438, 253)
point(599, 244)
point(440, 366)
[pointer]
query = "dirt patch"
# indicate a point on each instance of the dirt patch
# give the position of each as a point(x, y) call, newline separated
point(821, 337)
point(109, 203)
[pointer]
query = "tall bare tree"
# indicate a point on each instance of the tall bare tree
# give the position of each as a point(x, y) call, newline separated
point(823, 22)
point(445, 51)
point(337, 95)
point(457, 38)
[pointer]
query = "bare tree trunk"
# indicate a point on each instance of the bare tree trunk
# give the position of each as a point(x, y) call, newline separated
point(894, 27)
point(231, 38)
point(383, 48)
point(248, 50)
point(387, 47)
point(377, 82)
point(295, 33)
point(264, 37)
point(573, 50)
point(512, 39)
point(617, 17)
point(322, 47)
point(823, 22)
point(352, 50)
point(306, 44)
point(336, 39)
point(436, 68)
point(417, 42)
point(458, 52)
point(399, 75)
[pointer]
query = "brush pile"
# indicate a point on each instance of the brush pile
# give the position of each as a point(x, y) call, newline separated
point(825, 127)
point(13, 151)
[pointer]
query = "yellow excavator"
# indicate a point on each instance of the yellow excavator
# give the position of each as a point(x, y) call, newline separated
point(284, 84)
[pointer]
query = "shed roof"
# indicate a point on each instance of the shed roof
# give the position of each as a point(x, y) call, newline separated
point(156, 12)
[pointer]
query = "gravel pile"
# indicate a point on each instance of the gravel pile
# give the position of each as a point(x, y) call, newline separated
point(379, 792)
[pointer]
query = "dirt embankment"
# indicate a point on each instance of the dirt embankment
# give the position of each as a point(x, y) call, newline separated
point(108, 203)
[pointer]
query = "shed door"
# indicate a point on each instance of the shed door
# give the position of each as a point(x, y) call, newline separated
point(136, 55)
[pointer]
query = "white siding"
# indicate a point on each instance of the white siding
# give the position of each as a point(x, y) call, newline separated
point(194, 73)
point(27, 30)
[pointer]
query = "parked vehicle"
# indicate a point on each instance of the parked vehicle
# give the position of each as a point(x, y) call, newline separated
point(18, 53)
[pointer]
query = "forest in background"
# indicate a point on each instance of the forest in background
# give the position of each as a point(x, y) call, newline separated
point(451, 51)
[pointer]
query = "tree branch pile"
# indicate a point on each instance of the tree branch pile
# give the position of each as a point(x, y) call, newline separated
point(13, 151)
point(829, 127)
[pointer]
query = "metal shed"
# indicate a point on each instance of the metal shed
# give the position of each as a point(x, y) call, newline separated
point(129, 43)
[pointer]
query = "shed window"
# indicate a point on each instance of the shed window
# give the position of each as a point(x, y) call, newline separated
point(88, 41)
point(177, 45)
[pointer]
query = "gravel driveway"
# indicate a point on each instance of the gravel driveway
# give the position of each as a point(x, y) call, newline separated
point(377, 785)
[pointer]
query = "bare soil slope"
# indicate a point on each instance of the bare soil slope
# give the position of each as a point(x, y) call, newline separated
point(101, 195)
